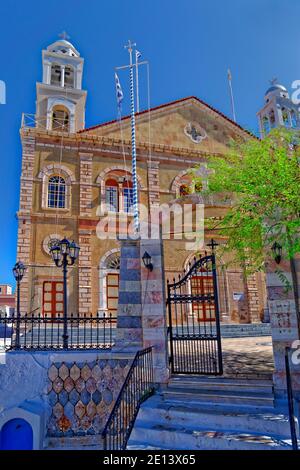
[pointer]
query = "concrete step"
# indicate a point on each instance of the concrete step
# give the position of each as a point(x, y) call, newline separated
point(264, 420)
point(220, 384)
point(224, 397)
point(174, 437)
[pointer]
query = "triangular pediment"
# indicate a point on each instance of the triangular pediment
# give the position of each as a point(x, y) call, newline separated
point(188, 123)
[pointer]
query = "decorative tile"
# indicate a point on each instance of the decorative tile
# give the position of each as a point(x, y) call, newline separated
point(64, 424)
point(80, 409)
point(74, 397)
point(97, 373)
point(80, 384)
point(107, 396)
point(58, 385)
point(52, 398)
point(91, 409)
point(58, 410)
point(85, 396)
point(86, 372)
point(69, 384)
point(102, 410)
point(98, 424)
point(69, 410)
point(75, 424)
point(52, 373)
point(96, 397)
point(85, 423)
point(74, 372)
point(49, 386)
point(63, 371)
point(63, 397)
point(91, 385)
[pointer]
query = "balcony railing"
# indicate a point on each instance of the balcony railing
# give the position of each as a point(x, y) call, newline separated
point(38, 332)
point(57, 124)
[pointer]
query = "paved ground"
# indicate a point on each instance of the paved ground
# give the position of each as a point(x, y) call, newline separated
point(244, 357)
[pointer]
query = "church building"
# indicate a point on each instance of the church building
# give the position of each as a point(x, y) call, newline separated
point(69, 169)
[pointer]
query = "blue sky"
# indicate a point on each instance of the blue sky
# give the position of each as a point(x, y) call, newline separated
point(189, 43)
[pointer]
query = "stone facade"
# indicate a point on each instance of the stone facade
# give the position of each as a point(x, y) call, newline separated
point(87, 159)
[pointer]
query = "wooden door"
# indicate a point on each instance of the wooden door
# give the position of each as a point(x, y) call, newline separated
point(53, 305)
point(112, 292)
point(201, 284)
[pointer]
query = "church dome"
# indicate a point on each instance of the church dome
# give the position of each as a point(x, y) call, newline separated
point(276, 89)
point(62, 46)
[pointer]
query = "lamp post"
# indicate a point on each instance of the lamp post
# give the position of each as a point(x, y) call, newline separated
point(64, 254)
point(147, 261)
point(18, 272)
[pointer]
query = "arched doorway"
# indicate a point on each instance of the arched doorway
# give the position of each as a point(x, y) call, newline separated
point(109, 271)
point(16, 434)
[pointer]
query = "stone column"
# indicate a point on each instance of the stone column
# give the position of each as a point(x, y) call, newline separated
point(24, 217)
point(85, 273)
point(154, 308)
point(284, 326)
point(85, 254)
point(129, 322)
point(153, 183)
point(252, 298)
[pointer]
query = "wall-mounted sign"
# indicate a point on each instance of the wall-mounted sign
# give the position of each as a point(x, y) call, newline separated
point(238, 295)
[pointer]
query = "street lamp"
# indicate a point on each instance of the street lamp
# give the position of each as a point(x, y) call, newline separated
point(18, 272)
point(147, 261)
point(64, 254)
point(277, 252)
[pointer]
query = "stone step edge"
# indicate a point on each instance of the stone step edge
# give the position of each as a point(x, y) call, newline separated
point(210, 433)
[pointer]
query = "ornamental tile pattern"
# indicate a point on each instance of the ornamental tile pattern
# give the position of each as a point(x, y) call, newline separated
point(81, 395)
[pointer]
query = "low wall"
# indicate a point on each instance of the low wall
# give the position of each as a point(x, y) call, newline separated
point(69, 394)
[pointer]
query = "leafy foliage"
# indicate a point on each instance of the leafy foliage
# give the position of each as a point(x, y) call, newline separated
point(263, 179)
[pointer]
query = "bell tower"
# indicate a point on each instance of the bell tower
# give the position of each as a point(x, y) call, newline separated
point(278, 110)
point(60, 103)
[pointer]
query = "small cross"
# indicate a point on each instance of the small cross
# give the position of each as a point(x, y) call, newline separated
point(64, 35)
point(212, 245)
point(273, 81)
point(130, 45)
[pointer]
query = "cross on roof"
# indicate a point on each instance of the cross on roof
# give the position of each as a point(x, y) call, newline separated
point(64, 35)
point(273, 81)
point(212, 245)
point(130, 45)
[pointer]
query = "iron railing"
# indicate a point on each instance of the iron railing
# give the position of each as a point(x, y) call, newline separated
point(290, 397)
point(42, 332)
point(138, 386)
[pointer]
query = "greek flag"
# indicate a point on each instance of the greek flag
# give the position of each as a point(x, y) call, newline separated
point(119, 92)
point(138, 54)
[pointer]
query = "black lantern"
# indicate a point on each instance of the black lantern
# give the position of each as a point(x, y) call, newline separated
point(277, 252)
point(64, 253)
point(147, 261)
point(18, 271)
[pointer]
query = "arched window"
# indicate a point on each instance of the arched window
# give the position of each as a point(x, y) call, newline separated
point(119, 191)
point(55, 75)
point(69, 77)
point(293, 119)
point(184, 190)
point(266, 125)
point(272, 119)
point(112, 194)
point(127, 196)
point(56, 192)
point(285, 117)
point(60, 119)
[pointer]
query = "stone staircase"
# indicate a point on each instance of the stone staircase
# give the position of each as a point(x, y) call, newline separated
point(199, 413)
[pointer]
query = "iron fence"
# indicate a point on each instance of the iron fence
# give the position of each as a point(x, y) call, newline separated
point(138, 386)
point(42, 332)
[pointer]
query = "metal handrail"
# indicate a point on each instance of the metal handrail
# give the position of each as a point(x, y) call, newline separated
point(137, 387)
point(290, 396)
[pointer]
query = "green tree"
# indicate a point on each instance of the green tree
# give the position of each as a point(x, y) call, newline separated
point(263, 179)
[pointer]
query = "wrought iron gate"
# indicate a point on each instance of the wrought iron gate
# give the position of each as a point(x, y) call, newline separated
point(194, 322)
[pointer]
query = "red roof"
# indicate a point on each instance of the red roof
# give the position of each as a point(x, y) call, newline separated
point(164, 106)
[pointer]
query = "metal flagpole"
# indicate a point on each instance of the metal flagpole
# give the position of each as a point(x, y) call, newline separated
point(231, 94)
point(129, 46)
point(137, 55)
